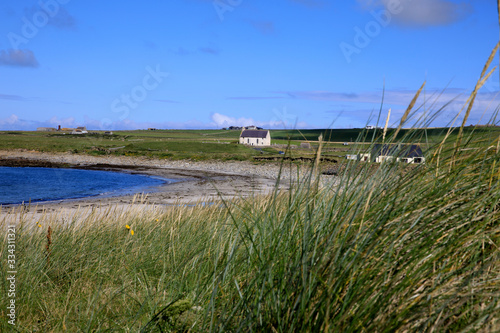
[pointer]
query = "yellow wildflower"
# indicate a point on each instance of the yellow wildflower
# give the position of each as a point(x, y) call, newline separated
point(127, 226)
point(132, 232)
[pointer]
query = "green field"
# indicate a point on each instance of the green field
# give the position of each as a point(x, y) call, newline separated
point(219, 144)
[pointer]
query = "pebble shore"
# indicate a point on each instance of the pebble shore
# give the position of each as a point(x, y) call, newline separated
point(196, 182)
point(269, 170)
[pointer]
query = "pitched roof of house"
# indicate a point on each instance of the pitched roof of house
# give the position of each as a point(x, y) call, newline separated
point(397, 150)
point(254, 134)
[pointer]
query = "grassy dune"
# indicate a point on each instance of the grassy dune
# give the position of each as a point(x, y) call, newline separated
point(393, 248)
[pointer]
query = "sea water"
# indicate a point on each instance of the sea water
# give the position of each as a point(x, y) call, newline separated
point(18, 185)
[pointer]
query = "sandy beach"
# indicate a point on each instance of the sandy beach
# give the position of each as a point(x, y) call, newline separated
point(195, 182)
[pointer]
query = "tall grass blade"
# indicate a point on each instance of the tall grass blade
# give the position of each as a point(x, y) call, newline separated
point(482, 80)
point(408, 110)
point(386, 125)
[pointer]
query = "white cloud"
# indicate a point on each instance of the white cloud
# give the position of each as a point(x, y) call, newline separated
point(277, 121)
point(421, 13)
point(18, 58)
point(13, 119)
point(224, 121)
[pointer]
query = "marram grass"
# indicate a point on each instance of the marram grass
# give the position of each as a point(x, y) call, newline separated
point(393, 248)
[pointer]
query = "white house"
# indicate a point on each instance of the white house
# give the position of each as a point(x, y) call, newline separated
point(255, 138)
point(79, 131)
point(402, 153)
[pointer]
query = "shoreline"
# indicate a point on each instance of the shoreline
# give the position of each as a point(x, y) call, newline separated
point(197, 182)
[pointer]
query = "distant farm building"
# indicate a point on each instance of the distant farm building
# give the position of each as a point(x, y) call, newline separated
point(402, 153)
point(46, 129)
point(364, 157)
point(255, 138)
point(79, 130)
point(388, 152)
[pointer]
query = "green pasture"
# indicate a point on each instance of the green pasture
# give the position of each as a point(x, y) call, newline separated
point(223, 144)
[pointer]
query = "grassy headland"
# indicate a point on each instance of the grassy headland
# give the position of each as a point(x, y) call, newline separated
point(216, 144)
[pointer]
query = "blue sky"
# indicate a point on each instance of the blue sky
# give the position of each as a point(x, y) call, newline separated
point(215, 63)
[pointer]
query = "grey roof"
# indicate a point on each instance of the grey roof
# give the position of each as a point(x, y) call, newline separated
point(254, 134)
point(397, 150)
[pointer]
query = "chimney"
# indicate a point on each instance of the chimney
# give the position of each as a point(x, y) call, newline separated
point(59, 128)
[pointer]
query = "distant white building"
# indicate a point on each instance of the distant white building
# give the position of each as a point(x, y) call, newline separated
point(79, 131)
point(255, 138)
point(46, 129)
point(411, 154)
point(402, 153)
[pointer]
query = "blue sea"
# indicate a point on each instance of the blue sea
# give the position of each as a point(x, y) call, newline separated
point(18, 185)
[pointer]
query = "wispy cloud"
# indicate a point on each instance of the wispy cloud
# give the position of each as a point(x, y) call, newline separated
point(13, 97)
point(150, 44)
point(311, 3)
point(448, 103)
point(251, 98)
point(13, 122)
point(216, 121)
point(209, 50)
point(165, 101)
point(264, 27)
point(18, 58)
point(181, 51)
point(321, 95)
point(422, 13)
point(61, 19)
point(391, 97)
point(19, 98)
